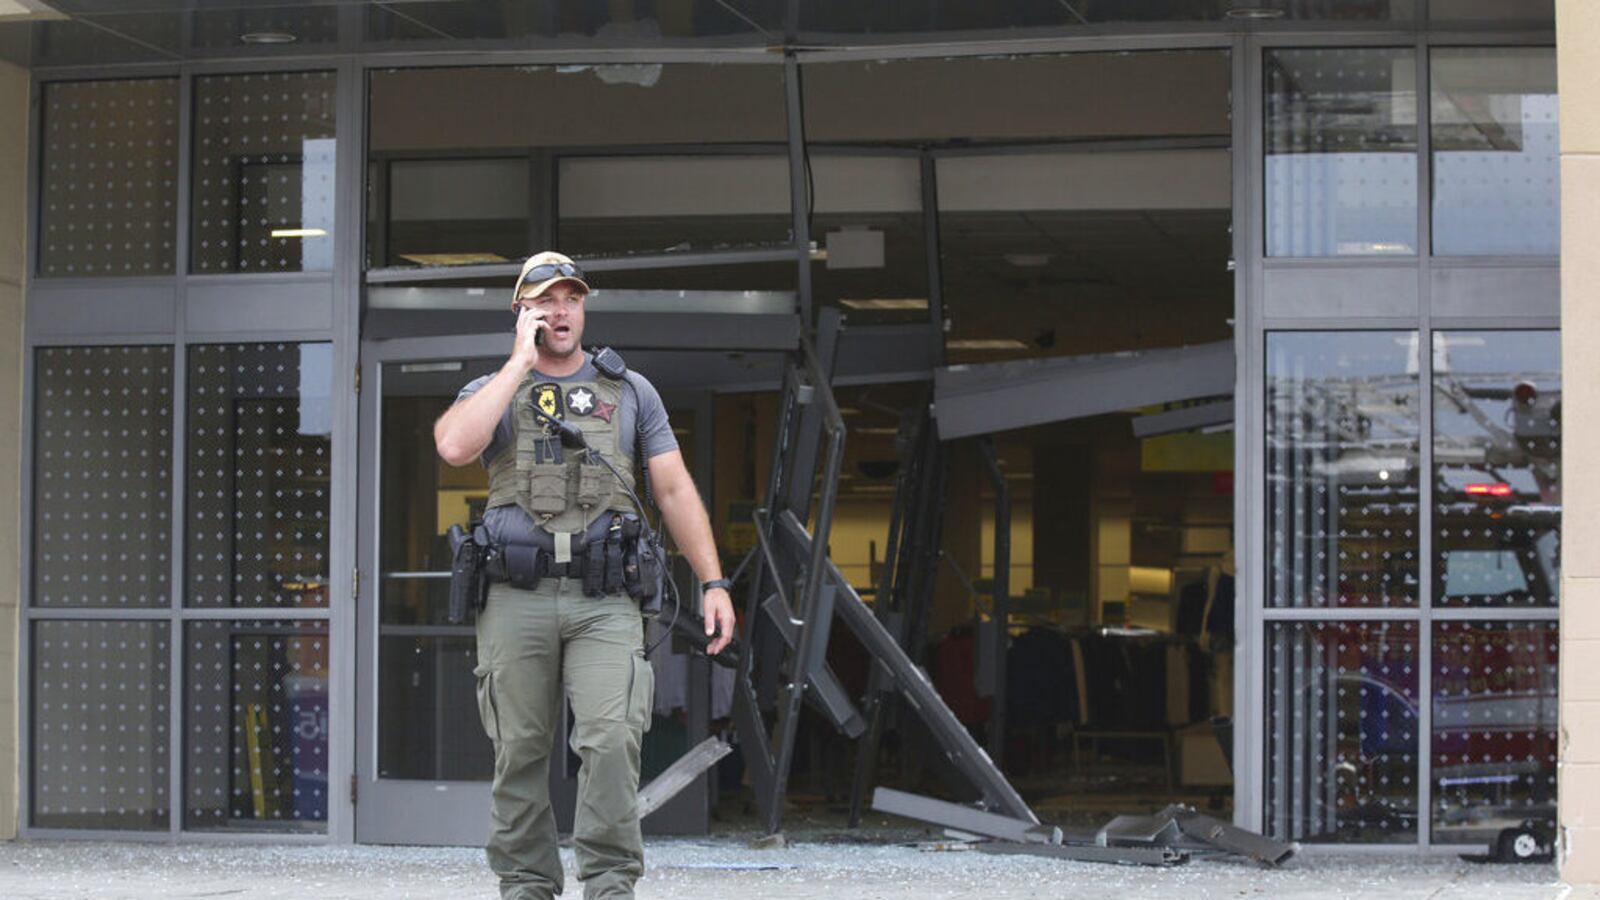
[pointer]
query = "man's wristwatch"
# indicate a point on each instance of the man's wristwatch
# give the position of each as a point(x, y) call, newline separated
point(714, 583)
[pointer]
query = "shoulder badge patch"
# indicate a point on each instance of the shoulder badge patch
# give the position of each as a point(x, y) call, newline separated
point(547, 399)
point(580, 401)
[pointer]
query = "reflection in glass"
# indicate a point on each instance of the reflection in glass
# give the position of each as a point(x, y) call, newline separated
point(1496, 151)
point(99, 724)
point(102, 476)
point(1494, 728)
point(260, 452)
point(107, 184)
point(1497, 468)
point(256, 725)
point(1341, 143)
point(1342, 703)
point(1342, 480)
point(263, 173)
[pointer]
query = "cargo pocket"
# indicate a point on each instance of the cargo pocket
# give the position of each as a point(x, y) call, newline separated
point(641, 692)
point(547, 489)
point(488, 711)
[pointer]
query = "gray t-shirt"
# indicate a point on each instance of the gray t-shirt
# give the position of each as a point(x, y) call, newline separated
point(640, 403)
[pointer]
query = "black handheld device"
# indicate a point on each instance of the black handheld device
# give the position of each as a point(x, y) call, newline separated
point(516, 316)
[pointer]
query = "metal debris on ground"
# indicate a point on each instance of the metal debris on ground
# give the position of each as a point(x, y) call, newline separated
point(1168, 838)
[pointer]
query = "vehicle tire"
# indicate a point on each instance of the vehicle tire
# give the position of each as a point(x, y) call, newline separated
point(1521, 845)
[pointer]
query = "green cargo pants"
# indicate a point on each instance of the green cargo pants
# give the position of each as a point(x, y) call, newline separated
point(530, 645)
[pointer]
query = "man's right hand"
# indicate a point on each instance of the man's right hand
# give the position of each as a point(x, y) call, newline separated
point(525, 353)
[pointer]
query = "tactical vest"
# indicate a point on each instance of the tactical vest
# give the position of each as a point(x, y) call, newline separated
point(559, 487)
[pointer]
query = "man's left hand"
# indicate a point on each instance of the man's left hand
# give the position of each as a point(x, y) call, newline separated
point(716, 607)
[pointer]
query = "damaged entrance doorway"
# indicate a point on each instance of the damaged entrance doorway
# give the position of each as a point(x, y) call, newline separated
point(1087, 300)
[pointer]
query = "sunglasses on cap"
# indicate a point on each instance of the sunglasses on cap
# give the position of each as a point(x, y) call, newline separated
point(551, 270)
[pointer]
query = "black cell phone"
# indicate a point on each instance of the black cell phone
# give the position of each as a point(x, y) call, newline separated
point(516, 316)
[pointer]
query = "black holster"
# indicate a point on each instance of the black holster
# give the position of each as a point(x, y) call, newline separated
point(469, 576)
point(643, 564)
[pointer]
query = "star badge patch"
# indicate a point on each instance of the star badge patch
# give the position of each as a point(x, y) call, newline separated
point(604, 410)
point(580, 401)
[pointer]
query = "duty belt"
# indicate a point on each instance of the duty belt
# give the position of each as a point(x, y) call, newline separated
point(603, 557)
point(535, 561)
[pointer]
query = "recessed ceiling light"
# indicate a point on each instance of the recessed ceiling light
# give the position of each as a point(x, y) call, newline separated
point(1254, 12)
point(299, 232)
point(268, 37)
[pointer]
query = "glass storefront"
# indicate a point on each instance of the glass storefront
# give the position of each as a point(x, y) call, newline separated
point(1397, 589)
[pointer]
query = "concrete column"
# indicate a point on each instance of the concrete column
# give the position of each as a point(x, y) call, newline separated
point(13, 221)
point(1577, 32)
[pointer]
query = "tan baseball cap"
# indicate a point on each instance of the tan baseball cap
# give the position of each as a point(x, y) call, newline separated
point(561, 268)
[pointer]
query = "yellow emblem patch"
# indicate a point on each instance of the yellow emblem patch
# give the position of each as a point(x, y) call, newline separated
point(547, 398)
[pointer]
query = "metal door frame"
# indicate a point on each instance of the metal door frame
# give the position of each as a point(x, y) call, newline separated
point(386, 807)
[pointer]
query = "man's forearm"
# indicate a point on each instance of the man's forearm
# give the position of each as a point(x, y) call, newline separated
point(690, 528)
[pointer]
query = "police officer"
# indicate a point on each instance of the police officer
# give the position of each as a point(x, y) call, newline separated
point(550, 633)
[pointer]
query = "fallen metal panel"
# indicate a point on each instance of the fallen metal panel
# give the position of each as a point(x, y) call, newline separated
point(1162, 829)
point(983, 399)
point(681, 774)
point(1189, 418)
point(1122, 856)
point(963, 818)
point(1229, 837)
point(954, 739)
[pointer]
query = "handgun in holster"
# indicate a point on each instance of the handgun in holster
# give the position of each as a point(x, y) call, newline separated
point(469, 576)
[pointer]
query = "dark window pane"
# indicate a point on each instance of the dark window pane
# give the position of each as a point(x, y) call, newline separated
point(263, 173)
point(1496, 152)
point(1341, 145)
point(1494, 728)
point(1342, 479)
point(260, 453)
point(457, 211)
point(1068, 246)
point(642, 170)
point(850, 17)
point(1342, 731)
point(611, 206)
point(109, 182)
point(1497, 468)
point(428, 724)
point(100, 724)
point(574, 22)
point(256, 725)
point(102, 476)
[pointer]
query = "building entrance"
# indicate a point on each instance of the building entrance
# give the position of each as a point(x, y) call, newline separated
point(420, 745)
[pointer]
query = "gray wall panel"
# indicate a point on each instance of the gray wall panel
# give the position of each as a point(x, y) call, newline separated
point(225, 305)
point(86, 310)
point(1478, 291)
point(1339, 291)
